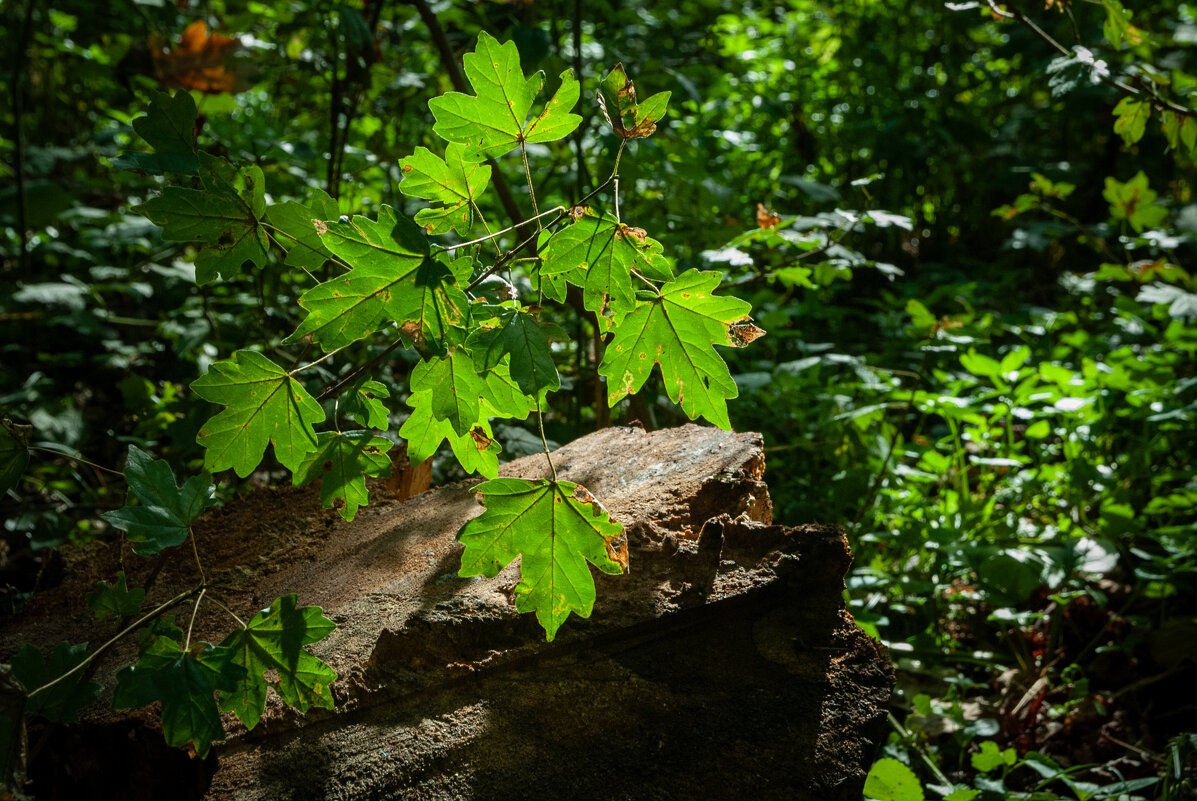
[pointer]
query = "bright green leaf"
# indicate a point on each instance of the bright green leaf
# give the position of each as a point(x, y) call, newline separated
point(476, 450)
point(273, 641)
point(166, 511)
point(342, 461)
point(1181, 131)
point(297, 229)
point(455, 388)
point(456, 182)
point(555, 527)
point(890, 780)
point(981, 365)
point(364, 407)
point(991, 757)
point(556, 121)
point(224, 217)
point(116, 600)
point(62, 701)
point(385, 256)
point(604, 253)
point(678, 331)
point(169, 128)
point(617, 101)
point(1132, 119)
point(185, 683)
point(265, 405)
point(492, 122)
point(1134, 202)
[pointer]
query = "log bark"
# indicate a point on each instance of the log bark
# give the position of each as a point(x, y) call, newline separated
point(723, 664)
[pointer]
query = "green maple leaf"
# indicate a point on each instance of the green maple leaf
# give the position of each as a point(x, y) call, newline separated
point(115, 599)
point(169, 128)
point(265, 405)
point(518, 333)
point(296, 230)
point(599, 255)
point(455, 182)
point(1180, 131)
point(1132, 119)
point(492, 122)
point(166, 511)
point(385, 256)
point(503, 397)
point(1134, 202)
point(677, 330)
point(555, 527)
point(342, 461)
point(224, 217)
point(454, 386)
point(364, 407)
point(476, 450)
point(617, 101)
point(185, 682)
point(431, 302)
point(273, 641)
point(62, 701)
point(14, 453)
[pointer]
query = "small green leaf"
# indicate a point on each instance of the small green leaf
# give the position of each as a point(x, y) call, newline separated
point(962, 794)
point(981, 365)
point(492, 122)
point(555, 527)
point(1117, 26)
point(224, 217)
point(556, 121)
point(600, 254)
point(1132, 119)
point(1181, 131)
point(890, 780)
point(455, 182)
point(166, 511)
point(14, 453)
point(61, 702)
point(1040, 429)
point(115, 600)
point(169, 128)
point(476, 450)
point(991, 757)
point(364, 407)
point(455, 387)
point(342, 461)
point(273, 641)
point(678, 331)
point(385, 256)
point(265, 405)
point(297, 229)
point(1134, 202)
point(617, 101)
point(185, 682)
point(520, 334)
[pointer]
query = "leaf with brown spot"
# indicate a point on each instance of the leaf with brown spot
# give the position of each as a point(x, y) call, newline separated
point(617, 101)
point(342, 461)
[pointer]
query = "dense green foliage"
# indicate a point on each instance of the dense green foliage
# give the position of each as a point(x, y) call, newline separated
point(967, 234)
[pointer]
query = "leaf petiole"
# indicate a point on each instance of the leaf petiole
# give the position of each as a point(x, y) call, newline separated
point(488, 237)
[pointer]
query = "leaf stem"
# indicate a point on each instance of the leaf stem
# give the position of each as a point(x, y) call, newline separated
point(194, 612)
point(195, 550)
point(355, 374)
point(616, 179)
point(543, 440)
point(92, 656)
point(77, 459)
point(531, 191)
point(496, 234)
point(232, 614)
point(313, 364)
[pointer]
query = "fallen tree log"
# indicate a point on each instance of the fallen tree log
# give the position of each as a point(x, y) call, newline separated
point(723, 664)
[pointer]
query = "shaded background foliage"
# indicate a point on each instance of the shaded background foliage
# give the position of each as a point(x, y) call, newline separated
point(1004, 424)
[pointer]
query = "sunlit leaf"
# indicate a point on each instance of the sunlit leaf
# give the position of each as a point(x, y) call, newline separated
point(555, 527)
point(454, 182)
point(617, 101)
point(342, 461)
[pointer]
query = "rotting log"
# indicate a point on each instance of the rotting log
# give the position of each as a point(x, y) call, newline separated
point(723, 664)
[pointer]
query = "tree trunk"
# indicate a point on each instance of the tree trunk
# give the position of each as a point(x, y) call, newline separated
point(723, 664)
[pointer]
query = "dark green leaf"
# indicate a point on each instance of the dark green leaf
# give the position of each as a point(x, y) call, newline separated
point(454, 386)
point(116, 599)
point(166, 511)
point(62, 701)
point(297, 229)
point(169, 128)
point(518, 333)
point(14, 453)
point(364, 407)
point(617, 101)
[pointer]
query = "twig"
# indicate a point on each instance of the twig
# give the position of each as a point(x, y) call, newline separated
point(361, 370)
point(77, 459)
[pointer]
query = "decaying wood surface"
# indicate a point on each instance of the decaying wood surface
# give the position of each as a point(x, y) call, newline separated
point(721, 665)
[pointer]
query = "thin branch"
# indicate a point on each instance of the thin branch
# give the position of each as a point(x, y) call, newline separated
point(194, 612)
point(92, 656)
point(232, 614)
point(489, 237)
point(359, 371)
point(77, 459)
point(322, 358)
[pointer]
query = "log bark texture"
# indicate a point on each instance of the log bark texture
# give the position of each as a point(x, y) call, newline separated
point(723, 664)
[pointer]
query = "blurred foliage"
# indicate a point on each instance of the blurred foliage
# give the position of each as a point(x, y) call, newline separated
point(972, 252)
